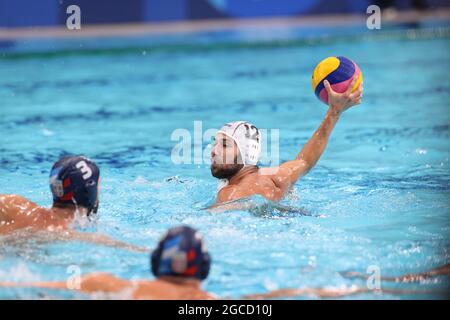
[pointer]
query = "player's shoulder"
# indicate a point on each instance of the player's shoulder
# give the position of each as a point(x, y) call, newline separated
point(14, 199)
point(233, 192)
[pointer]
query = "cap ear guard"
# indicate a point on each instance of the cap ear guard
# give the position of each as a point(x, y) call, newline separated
point(156, 254)
point(90, 191)
point(247, 138)
point(205, 266)
point(205, 263)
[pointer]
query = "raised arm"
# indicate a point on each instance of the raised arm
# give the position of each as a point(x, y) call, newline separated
point(289, 172)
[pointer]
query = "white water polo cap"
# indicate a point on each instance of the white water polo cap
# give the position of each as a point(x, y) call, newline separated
point(247, 138)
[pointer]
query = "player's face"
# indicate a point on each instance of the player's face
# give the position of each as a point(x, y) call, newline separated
point(225, 157)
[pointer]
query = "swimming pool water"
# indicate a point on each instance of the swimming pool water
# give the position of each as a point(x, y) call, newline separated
point(378, 196)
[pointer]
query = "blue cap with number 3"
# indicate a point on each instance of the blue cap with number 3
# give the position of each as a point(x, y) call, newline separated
point(74, 180)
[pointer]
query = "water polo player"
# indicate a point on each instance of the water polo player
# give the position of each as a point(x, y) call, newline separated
point(74, 183)
point(180, 263)
point(237, 148)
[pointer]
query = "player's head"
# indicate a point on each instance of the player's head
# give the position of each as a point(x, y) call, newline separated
point(74, 180)
point(181, 253)
point(237, 144)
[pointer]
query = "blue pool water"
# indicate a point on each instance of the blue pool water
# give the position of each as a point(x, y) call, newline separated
point(378, 196)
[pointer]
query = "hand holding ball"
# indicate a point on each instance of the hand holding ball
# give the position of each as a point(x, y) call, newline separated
point(341, 73)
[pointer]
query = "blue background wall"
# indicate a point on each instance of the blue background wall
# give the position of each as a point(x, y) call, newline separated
point(20, 13)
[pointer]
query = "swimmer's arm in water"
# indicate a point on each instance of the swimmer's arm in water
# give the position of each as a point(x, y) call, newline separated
point(410, 277)
point(93, 282)
point(289, 172)
point(305, 292)
point(102, 240)
point(329, 293)
point(17, 237)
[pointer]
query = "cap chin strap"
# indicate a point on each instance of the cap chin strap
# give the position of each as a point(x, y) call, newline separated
point(222, 184)
point(91, 211)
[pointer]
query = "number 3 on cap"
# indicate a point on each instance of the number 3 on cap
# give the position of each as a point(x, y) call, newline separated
point(85, 170)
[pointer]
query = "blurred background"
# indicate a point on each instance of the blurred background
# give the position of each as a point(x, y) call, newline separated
point(25, 13)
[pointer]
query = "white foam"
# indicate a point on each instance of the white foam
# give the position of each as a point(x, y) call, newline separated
point(18, 273)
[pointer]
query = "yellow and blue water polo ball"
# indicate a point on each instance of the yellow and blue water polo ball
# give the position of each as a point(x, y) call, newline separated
point(339, 71)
